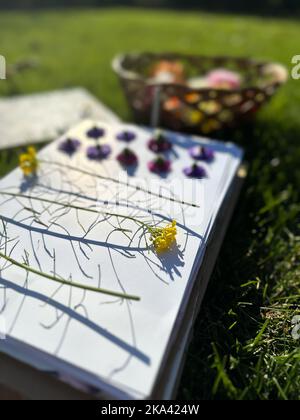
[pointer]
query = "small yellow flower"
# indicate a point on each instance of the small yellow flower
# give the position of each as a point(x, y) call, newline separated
point(28, 162)
point(163, 238)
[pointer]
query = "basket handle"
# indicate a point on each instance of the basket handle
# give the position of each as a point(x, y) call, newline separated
point(155, 112)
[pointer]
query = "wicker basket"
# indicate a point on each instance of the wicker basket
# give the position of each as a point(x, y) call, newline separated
point(202, 110)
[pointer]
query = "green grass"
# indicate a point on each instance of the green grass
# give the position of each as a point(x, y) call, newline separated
point(243, 348)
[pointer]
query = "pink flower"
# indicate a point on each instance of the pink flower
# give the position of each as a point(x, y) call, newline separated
point(223, 79)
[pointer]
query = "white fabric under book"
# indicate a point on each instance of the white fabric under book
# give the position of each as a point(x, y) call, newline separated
point(109, 345)
point(44, 116)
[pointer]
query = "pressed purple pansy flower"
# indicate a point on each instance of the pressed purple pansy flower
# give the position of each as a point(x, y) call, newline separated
point(98, 152)
point(159, 144)
point(127, 157)
point(69, 146)
point(195, 171)
point(126, 136)
point(202, 153)
point(95, 133)
point(159, 165)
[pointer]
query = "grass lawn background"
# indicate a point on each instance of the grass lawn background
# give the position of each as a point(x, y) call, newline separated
point(242, 346)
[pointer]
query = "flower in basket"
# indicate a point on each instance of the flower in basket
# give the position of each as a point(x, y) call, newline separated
point(217, 79)
point(210, 125)
point(195, 171)
point(223, 79)
point(172, 104)
point(28, 162)
point(198, 82)
point(191, 116)
point(159, 144)
point(202, 153)
point(127, 157)
point(273, 73)
point(159, 165)
point(166, 71)
point(69, 146)
point(98, 152)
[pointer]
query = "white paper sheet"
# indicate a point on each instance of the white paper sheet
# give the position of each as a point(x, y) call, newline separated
point(44, 116)
point(107, 343)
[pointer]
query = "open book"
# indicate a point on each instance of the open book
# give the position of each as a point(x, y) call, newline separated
point(84, 221)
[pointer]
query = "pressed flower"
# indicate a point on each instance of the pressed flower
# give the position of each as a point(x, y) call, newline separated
point(127, 157)
point(28, 162)
point(202, 153)
point(98, 152)
point(95, 133)
point(195, 171)
point(159, 143)
point(69, 146)
point(163, 238)
point(126, 136)
point(159, 165)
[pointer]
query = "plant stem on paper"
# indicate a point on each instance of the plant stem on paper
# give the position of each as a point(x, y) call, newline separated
point(73, 206)
point(117, 181)
point(66, 282)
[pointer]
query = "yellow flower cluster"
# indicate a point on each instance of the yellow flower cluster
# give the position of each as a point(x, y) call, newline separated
point(28, 162)
point(163, 238)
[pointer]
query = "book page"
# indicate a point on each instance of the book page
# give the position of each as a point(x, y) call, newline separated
point(111, 343)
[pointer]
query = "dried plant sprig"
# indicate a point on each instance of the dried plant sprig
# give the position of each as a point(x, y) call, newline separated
point(28, 162)
point(67, 282)
point(161, 237)
point(117, 181)
point(72, 206)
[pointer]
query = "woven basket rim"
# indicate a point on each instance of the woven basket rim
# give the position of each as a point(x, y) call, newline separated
point(117, 65)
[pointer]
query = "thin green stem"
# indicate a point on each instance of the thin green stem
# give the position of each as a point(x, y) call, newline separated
point(117, 181)
point(73, 206)
point(66, 282)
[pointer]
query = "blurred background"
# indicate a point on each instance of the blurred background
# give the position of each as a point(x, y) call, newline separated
point(53, 44)
point(271, 7)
